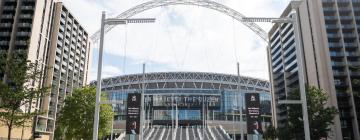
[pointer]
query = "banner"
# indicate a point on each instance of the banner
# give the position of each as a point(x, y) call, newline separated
point(253, 120)
point(187, 101)
point(133, 113)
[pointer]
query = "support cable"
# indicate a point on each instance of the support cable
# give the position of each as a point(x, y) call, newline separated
point(188, 42)
point(171, 42)
point(205, 50)
point(125, 53)
point(234, 41)
point(154, 47)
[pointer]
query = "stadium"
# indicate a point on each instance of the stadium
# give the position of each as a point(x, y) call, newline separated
point(186, 102)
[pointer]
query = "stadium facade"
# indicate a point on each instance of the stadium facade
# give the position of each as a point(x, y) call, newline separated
point(170, 99)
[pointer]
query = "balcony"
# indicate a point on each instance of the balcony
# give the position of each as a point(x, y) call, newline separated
point(330, 18)
point(292, 81)
point(8, 16)
point(345, 115)
point(332, 35)
point(27, 8)
point(332, 28)
point(4, 33)
point(59, 43)
point(62, 21)
point(4, 42)
point(338, 64)
point(26, 16)
point(354, 73)
point(350, 45)
point(347, 28)
point(280, 89)
point(22, 34)
point(7, 25)
point(336, 54)
point(328, 1)
point(24, 43)
point(344, 9)
point(346, 17)
point(6, 8)
point(343, 105)
point(329, 9)
point(339, 73)
point(334, 44)
point(342, 94)
point(354, 63)
point(352, 54)
point(25, 25)
point(349, 35)
point(341, 84)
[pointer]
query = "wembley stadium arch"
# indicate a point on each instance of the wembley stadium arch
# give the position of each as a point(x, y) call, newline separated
point(202, 3)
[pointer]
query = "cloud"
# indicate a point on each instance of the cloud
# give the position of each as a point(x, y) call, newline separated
point(184, 37)
point(108, 71)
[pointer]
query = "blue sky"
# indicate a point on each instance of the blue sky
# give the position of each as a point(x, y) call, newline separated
point(184, 37)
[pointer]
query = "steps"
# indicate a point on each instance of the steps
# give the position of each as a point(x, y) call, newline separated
point(186, 133)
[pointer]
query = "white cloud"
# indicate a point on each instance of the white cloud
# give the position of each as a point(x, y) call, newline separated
point(187, 38)
point(108, 71)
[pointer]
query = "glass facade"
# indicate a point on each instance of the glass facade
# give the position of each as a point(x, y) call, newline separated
point(168, 104)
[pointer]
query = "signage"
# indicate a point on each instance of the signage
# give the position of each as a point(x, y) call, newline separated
point(253, 120)
point(187, 101)
point(133, 113)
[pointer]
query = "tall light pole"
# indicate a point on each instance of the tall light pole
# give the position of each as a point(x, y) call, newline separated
point(299, 56)
point(241, 98)
point(109, 21)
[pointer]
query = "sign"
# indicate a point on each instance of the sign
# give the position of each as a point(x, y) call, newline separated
point(133, 113)
point(187, 101)
point(253, 120)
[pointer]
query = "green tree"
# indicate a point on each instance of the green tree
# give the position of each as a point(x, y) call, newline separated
point(270, 133)
point(19, 90)
point(320, 116)
point(77, 116)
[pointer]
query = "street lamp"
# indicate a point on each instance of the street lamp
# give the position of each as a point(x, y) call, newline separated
point(299, 54)
point(109, 21)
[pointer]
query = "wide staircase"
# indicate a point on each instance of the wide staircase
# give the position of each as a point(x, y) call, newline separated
point(186, 133)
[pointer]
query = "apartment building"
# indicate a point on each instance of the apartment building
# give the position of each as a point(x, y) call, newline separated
point(331, 59)
point(45, 31)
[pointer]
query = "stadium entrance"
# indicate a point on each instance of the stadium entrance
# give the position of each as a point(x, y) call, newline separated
point(181, 110)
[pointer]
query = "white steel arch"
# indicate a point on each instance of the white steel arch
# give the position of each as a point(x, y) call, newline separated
point(203, 3)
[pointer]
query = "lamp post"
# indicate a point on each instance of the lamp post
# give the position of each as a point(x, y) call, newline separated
point(104, 22)
point(299, 56)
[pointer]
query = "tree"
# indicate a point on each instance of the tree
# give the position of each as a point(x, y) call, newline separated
point(18, 91)
point(77, 116)
point(320, 116)
point(270, 133)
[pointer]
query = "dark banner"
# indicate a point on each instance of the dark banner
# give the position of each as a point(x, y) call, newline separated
point(187, 101)
point(253, 120)
point(133, 113)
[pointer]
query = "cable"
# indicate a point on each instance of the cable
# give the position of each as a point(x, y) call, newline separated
point(234, 41)
point(172, 43)
point(125, 45)
point(155, 43)
point(205, 52)
point(188, 42)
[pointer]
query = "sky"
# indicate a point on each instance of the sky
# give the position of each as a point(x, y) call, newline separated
point(183, 38)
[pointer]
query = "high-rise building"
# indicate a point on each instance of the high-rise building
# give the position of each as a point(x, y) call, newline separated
point(44, 31)
point(329, 32)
